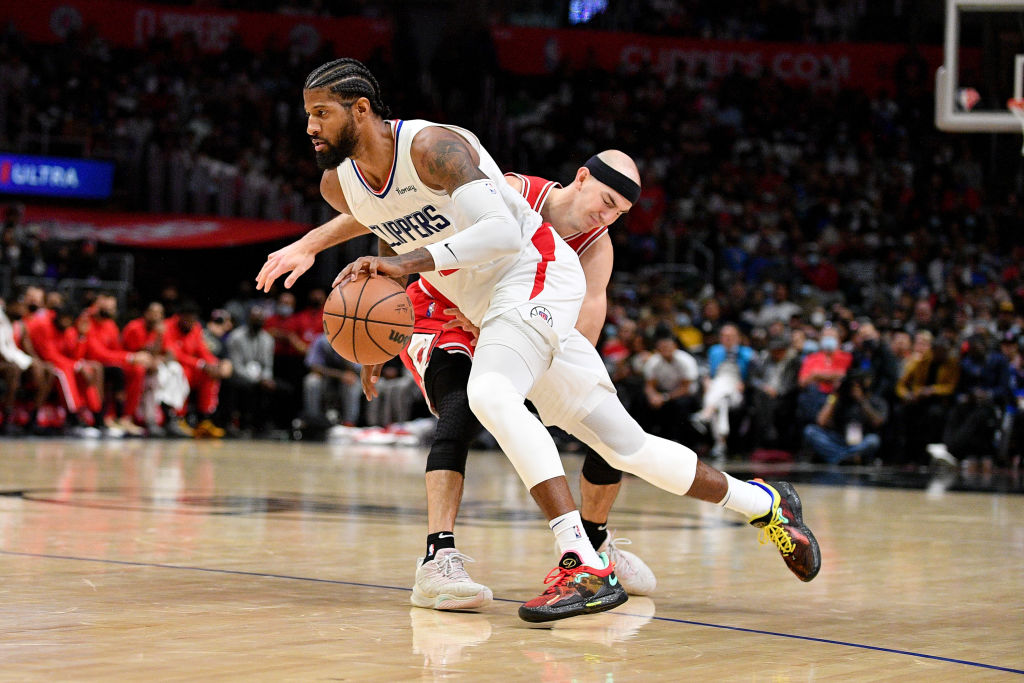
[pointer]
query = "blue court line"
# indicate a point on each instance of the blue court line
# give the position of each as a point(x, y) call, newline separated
point(265, 575)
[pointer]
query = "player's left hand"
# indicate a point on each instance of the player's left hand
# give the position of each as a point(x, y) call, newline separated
point(368, 375)
point(373, 265)
point(461, 322)
point(295, 258)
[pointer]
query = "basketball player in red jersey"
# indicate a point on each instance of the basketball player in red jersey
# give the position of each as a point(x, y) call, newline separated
point(452, 219)
point(438, 356)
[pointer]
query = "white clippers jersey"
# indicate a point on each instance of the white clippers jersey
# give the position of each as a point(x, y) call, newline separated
point(407, 214)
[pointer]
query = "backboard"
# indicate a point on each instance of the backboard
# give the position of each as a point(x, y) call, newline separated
point(974, 100)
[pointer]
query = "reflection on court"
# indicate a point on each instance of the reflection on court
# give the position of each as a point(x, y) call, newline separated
point(294, 561)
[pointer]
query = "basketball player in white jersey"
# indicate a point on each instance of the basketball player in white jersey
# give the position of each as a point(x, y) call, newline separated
point(438, 200)
point(440, 356)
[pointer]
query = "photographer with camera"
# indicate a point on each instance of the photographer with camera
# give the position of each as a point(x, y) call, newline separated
point(847, 425)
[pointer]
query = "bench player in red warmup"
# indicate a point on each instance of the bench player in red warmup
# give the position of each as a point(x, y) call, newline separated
point(453, 218)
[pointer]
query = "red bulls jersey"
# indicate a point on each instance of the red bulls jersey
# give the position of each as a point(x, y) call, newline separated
point(536, 190)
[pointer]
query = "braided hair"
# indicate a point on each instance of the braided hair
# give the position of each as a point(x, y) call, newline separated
point(348, 76)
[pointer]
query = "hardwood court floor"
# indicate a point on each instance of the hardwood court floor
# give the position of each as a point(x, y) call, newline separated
point(182, 561)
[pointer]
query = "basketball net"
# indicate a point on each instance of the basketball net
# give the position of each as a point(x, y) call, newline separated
point(1016, 107)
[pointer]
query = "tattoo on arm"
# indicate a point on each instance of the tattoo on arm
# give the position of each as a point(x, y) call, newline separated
point(450, 164)
point(385, 251)
point(416, 261)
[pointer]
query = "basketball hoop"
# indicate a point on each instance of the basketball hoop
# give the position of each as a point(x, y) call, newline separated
point(1016, 107)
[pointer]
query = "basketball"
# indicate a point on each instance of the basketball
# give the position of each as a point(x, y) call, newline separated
point(368, 320)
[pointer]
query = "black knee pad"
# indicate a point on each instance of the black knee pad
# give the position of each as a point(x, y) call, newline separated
point(457, 426)
point(599, 472)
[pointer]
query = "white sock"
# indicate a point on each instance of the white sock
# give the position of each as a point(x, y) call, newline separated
point(569, 533)
point(745, 498)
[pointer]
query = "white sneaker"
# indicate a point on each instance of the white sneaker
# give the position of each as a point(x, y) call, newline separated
point(938, 451)
point(443, 583)
point(84, 432)
point(634, 574)
point(111, 429)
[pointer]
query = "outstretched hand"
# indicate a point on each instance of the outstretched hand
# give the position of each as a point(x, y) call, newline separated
point(461, 322)
point(294, 258)
point(371, 265)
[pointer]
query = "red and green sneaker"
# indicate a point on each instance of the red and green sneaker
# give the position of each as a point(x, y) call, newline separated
point(575, 589)
point(784, 526)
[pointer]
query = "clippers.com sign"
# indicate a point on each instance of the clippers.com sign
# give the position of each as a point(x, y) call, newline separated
point(869, 67)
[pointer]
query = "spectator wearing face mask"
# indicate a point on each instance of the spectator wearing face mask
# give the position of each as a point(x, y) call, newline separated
point(925, 393)
point(848, 423)
point(774, 382)
point(728, 370)
point(982, 395)
point(820, 374)
point(252, 385)
point(124, 371)
point(290, 346)
point(183, 339)
point(872, 355)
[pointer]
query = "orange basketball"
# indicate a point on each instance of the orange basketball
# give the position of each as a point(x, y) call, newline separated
point(369, 320)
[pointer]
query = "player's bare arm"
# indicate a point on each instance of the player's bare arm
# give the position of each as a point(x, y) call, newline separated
point(298, 257)
point(444, 159)
point(597, 263)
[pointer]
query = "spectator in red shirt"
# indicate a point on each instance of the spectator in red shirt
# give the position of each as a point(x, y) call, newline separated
point(293, 333)
point(183, 338)
point(124, 371)
point(309, 322)
point(826, 367)
point(820, 374)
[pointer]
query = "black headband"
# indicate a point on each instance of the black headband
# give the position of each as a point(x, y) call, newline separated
point(603, 173)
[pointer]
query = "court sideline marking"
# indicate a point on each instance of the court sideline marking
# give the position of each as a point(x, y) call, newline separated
point(265, 575)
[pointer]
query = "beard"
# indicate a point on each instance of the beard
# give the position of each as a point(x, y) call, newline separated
point(337, 150)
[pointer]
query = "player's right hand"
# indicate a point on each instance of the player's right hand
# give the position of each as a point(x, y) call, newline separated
point(294, 258)
point(368, 375)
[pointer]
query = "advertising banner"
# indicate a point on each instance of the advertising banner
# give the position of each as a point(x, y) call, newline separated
point(847, 65)
point(130, 24)
point(157, 231)
point(55, 177)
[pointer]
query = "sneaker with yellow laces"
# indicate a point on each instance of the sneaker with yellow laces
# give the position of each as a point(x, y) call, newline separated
point(784, 526)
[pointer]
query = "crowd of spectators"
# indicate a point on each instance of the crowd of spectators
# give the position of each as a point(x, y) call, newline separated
point(255, 367)
point(843, 390)
point(853, 276)
point(778, 20)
